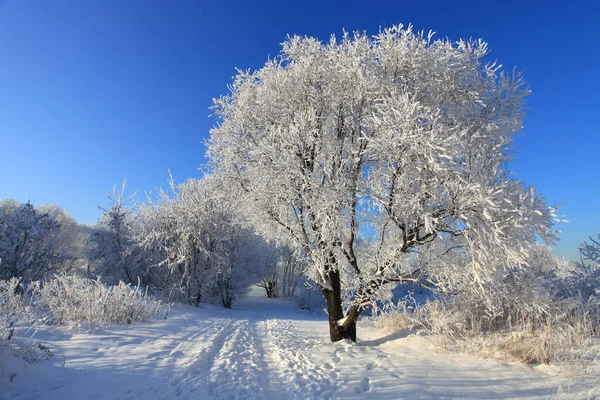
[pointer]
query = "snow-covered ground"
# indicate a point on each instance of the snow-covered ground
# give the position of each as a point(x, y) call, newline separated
point(265, 349)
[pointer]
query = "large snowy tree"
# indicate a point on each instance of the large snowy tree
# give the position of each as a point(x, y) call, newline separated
point(397, 139)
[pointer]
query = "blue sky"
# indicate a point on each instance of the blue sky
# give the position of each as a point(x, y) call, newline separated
point(92, 92)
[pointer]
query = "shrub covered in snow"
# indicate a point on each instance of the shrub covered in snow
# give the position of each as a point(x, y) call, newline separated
point(90, 302)
point(541, 315)
point(66, 299)
point(13, 308)
point(17, 318)
point(76, 300)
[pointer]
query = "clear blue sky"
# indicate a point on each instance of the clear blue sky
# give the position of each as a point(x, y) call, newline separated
point(92, 92)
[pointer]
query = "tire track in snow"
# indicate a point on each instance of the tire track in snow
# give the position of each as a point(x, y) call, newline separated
point(210, 359)
point(192, 376)
point(183, 354)
point(238, 370)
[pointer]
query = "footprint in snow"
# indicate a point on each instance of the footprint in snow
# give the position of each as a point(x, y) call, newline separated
point(364, 386)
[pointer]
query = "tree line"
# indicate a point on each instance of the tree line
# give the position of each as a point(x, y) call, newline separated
point(187, 245)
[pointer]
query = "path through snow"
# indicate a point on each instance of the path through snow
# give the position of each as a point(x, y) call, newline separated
point(264, 349)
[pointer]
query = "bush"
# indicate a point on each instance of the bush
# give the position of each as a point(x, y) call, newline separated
point(17, 319)
point(85, 301)
point(75, 300)
point(539, 317)
point(78, 301)
point(13, 308)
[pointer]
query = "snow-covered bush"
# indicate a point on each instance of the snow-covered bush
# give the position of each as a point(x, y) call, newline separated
point(17, 319)
point(89, 302)
point(395, 320)
point(564, 334)
point(13, 309)
point(405, 314)
point(66, 299)
point(536, 315)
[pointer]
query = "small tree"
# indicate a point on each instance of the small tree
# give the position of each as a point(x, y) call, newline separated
point(400, 140)
point(585, 279)
point(112, 239)
point(268, 273)
point(589, 253)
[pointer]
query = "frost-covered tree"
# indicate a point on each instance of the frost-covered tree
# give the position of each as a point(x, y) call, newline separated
point(585, 277)
point(35, 241)
point(267, 271)
point(202, 246)
point(399, 139)
point(112, 239)
point(589, 254)
point(290, 269)
point(69, 244)
point(279, 270)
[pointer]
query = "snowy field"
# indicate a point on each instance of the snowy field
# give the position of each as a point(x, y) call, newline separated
point(265, 349)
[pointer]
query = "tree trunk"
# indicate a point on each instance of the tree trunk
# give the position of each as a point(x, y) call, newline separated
point(270, 287)
point(335, 312)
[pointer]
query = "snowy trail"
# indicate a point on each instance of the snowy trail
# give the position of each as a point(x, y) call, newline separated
point(265, 349)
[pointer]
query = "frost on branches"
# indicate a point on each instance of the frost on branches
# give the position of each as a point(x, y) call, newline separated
point(36, 242)
point(112, 241)
point(197, 239)
point(589, 254)
point(383, 158)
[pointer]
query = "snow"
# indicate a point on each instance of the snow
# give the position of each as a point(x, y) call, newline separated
point(265, 349)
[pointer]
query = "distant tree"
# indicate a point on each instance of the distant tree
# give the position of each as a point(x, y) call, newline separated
point(589, 254)
point(35, 242)
point(291, 267)
point(399, 139)
point(585, 277)
point(112, 239)
point(201, 243)
point(280, 271)
point(268, 277)
point(69, 244)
